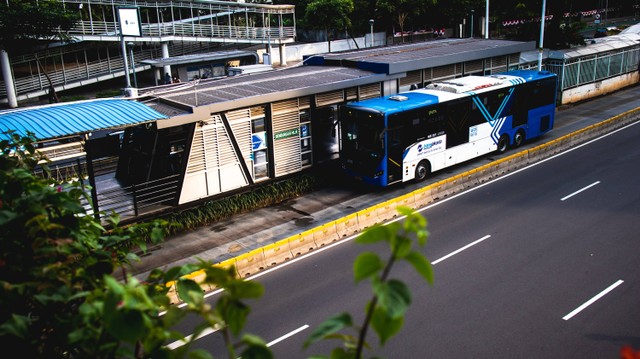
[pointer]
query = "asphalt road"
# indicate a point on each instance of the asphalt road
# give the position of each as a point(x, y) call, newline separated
point(229, 238)
point(538, 264)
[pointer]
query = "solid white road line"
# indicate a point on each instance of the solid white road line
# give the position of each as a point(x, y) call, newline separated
point(460, 250)
point(583, 189)
point(276, 341)
point(179, 343)
point(592, 300)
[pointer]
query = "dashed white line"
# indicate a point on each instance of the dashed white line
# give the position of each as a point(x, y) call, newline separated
point(578, 191)
point(276, 341)
point(461, 249)
point(592, 300)
point(181, 342)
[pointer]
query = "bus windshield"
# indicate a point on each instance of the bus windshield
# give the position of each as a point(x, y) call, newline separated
point(362, 133)
point(362, 142)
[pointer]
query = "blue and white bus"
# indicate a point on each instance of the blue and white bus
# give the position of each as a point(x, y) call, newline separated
point(406, 136)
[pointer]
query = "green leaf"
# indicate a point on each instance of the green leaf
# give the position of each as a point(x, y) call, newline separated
point(375, 234)
point(400, 246)
point(127, 325)
point(421, 265)
point(367, 264)
point(384, 325)
point(393, 296)
point(244, 289)
point(189, 291)
point(256, 348)
point(234, 313)
point(328, 327)
point(404, 210)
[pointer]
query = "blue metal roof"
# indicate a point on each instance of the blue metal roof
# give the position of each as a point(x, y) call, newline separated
point(66, 119)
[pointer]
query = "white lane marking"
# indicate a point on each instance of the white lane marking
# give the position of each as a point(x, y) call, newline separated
point(348, 239)
point(580, 190)
point(592, 300)
point(290, 334)
point(179, 343)
point(460, 250)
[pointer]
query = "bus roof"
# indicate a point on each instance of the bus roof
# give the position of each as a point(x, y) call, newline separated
point(442, 91)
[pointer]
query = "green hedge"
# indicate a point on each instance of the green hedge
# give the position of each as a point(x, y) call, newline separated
point(212, 211)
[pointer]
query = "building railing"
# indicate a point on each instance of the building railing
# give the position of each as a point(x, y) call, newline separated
point(590, 69)
point(186, 29)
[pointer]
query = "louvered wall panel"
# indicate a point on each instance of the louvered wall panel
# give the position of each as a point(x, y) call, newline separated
point(287, 156)
point(352, 93)
point(498, 64)
point(238, 114)
point(427, 75)
point(444, 72)
point(242, 132)
point(213, 165)
point(196, 161)
point(240, 122)
point(514, 59)
point(369, 91)
point(284, 106)
point(257, 111)
point(329, 98)
point(473, 66)
point(285, 117)
point(413, 77)
point(304, 102)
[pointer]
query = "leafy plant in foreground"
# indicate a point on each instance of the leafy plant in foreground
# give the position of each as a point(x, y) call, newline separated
point(391, 297)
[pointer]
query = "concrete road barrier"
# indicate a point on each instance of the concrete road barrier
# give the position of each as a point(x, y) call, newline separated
point(347, 225)
point(302, 243)
point(250, 263)
point(276, 253)
point(325, 234)
point(367, 218)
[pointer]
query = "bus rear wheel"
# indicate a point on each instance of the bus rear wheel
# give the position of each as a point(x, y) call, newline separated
point(518, 139)
point(422, 171)
point(503, 144)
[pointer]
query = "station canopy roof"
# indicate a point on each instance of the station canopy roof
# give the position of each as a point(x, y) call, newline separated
point(413, 56)
point(69, 119)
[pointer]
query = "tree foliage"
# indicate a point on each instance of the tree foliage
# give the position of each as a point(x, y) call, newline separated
point(59, 297)
point(25, 23)
point(329, 15)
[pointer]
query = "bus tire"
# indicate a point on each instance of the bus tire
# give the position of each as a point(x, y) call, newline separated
point(422, 171)
point(518, 138)
point(503, 144)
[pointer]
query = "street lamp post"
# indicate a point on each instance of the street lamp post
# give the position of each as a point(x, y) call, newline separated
point(486, 22)
point(371, 21)
point(544, 5)
point(472, 11)
point(133, 64)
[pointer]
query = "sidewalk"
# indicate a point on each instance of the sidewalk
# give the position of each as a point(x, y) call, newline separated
point(230, 238)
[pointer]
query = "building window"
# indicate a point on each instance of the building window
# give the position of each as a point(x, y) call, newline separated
point(305, 138)
point(259, 155)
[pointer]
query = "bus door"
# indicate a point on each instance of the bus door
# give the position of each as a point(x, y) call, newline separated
point(395, 150)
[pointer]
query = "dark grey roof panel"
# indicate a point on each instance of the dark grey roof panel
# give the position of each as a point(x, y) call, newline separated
point(277, 84)
point(195, 58)
point(408, 57)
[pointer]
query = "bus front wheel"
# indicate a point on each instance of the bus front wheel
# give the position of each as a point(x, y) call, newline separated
point(503, 144)
point(422, 171)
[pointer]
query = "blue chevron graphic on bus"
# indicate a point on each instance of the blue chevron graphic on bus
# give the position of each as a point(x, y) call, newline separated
point(406, 136)
point(495, 132)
